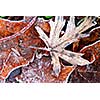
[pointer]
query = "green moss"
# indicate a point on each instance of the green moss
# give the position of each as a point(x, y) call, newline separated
point(46, 17)
point(2, 16)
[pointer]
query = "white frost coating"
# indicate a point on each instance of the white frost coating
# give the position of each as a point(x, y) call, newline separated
point(90, 45)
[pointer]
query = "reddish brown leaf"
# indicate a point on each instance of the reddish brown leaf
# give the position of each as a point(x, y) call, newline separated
point(16, 49)
point(8, 28)
point(93, 49)
point(65, 72)
point(94, 36)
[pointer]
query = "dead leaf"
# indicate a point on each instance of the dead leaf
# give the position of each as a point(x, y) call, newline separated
point(56, 44)
point(15, 51)
point(93, 37)
point(8, 28)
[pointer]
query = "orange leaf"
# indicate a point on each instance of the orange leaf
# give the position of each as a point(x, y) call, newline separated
point(65, 73)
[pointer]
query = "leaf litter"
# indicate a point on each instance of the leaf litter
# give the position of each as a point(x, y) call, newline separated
point(38, 47)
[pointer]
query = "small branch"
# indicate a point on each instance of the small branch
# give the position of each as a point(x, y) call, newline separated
point(47, 49)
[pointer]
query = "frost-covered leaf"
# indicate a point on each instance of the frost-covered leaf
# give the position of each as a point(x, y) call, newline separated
point(56, 44)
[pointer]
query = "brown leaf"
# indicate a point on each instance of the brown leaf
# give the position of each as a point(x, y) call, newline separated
point(65, 73)
point(16, 49)
point(8, 28)
point(93, 48)
point(93, 36)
